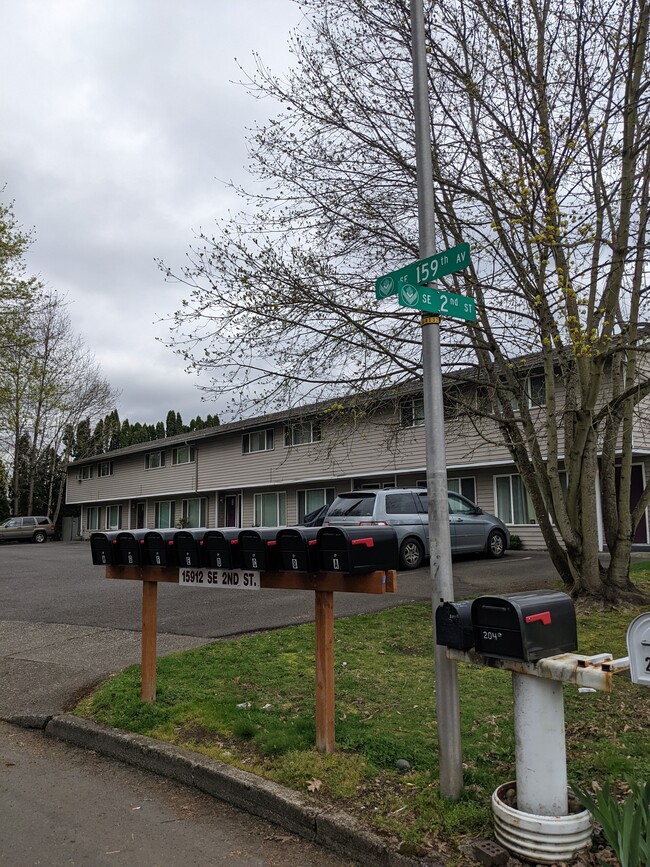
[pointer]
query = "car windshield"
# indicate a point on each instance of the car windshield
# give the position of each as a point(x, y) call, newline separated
point(353, 505)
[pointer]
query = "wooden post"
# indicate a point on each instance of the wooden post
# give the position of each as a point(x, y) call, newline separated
point(325, 671)
point(149, 627)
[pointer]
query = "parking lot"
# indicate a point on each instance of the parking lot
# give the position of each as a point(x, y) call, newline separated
point(64, 626)
point(57, 583)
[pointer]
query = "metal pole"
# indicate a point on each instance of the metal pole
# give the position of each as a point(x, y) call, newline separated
point(447, 703)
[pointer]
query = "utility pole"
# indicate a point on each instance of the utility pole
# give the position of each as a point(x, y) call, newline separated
point(447, 703)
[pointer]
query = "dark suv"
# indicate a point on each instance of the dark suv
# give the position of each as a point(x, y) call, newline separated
point(37, 528)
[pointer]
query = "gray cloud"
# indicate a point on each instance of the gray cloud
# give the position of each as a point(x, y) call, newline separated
point(120, 117)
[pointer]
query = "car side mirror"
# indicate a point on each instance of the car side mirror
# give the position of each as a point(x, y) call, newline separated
point(479, 511)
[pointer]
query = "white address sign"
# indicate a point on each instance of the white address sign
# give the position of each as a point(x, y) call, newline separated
point(231, 579)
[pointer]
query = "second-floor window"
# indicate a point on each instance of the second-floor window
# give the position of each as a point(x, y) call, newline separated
point(85, 472)
point(257, 441)
point(105, 469)
point(302, 432)
point(412, 412)
point(536, 389)
point(183, 455)
point(154, 460)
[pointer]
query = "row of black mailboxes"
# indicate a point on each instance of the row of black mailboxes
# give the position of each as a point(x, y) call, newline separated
point(354, 550)
point(522, 626)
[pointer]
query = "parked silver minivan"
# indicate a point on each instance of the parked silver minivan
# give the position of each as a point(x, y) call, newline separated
point(405, 509)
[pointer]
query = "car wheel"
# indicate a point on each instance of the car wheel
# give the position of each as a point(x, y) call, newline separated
point(411, 553)
point(40, 536)
point(496, 544)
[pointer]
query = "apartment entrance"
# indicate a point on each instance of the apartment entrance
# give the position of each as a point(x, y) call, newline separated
point(232, 510)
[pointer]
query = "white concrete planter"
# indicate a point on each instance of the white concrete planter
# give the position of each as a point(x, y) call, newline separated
point(540, 839)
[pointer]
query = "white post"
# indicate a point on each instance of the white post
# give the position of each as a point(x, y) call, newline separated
point(540, 747)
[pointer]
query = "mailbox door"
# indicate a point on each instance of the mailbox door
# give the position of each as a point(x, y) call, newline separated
point(357, 550)
point(188, 546)
point(454, 625)
point(297, 549)
point(129, 548)
point(159, 548)
point(103, 549)
point(259, 549)
point(221, 549)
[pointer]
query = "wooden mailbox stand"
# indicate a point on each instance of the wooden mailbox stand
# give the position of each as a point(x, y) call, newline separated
point(324, 585)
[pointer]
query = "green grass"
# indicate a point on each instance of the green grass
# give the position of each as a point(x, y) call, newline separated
point(385, 711)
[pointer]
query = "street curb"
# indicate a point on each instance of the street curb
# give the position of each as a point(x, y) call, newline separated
point(29, 720)
point(335, 830)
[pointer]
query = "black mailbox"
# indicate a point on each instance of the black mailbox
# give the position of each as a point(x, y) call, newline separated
point(454, 625)
point(130, 548)
point(221, 549)
point(357, 550)
point(103, 547)
point(159, 548)
point(297, 550)
point(189, 547)
point(259, 549)
point(525, 626)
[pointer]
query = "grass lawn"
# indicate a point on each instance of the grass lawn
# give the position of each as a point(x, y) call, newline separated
point(250, 702)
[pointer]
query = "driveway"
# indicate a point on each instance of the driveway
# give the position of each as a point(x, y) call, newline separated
point(64, 626)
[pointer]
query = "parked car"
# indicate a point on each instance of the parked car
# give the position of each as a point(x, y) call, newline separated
point(37, 528)
point(405, 509)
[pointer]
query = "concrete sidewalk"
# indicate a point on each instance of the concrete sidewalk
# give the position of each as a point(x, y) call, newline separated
point(44, 667)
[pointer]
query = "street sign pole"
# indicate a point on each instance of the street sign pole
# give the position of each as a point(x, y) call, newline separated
point(447, 702)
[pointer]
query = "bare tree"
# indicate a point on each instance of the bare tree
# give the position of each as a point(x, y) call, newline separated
point(49, 383)
point(540, 128)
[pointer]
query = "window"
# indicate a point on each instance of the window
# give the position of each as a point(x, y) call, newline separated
point(183, 455)
point(105, 469)
point(536, 389)
point(113, 517)
point(270, 509)
point(257, 441)
point(513, 503)
point(459, 505)
point(85, 472)
point(464, 486)
point(154, 460)
point(92, 518)
point(164, 514)
point(301, 433)
point(310, 500)
point(401, 504)
point(354, 505)
point(194, 512)
point(412, 412)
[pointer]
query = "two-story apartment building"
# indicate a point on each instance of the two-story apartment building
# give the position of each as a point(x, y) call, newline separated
point(274, 469)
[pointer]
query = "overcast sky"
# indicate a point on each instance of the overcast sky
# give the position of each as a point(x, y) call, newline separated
point(120, 122)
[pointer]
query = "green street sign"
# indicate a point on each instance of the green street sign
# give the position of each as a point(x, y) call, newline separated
point(437, 301)
point(424, 271)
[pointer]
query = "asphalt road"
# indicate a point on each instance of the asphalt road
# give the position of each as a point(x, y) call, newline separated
point(57, 583)
point(62, 806)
